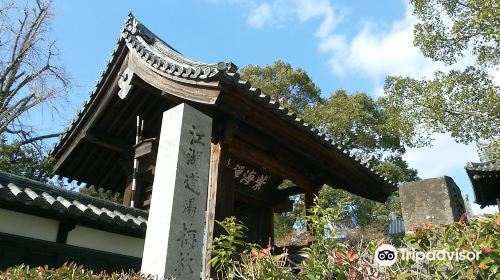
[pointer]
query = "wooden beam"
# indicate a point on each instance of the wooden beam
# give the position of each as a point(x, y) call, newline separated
point(62, 233)
point(269, 163)
point(342, 171)
point(107, 141)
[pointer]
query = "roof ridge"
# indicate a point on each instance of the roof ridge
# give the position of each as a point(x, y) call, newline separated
point(160, 55)
point(24, 182)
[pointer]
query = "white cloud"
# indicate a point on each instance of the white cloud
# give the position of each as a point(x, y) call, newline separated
point(308, 9)
point(376, 54)
point(260, 15)
point(277, 12)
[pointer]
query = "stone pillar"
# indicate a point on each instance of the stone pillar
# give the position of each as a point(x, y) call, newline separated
point(431, 201)
point(176, 223)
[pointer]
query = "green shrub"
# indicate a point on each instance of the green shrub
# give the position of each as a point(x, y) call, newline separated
point(332, 257)
point(67, 271)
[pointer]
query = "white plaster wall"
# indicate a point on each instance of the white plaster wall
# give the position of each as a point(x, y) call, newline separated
point(105, 241)
point(27, 225)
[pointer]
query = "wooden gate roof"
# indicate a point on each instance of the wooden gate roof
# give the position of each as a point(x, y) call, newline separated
point(142, 62)
point(485, 179)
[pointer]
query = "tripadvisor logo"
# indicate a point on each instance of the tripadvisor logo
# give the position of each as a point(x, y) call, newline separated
point(387, 255)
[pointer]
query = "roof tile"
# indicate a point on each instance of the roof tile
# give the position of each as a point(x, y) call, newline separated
point(36, 196)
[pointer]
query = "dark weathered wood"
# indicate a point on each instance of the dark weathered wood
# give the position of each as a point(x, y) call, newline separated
point(127, 193)
point(282, 207)
point(341, 171)
point(107, 141)
point(201, 92)
point(269, 164)
point(146, 151)
point(213, 189)
point(63, 230)
point(92, 116)
point(258, 220)
point(309, 202)
point(248, 197)
point(125, 83)
point(32, 252)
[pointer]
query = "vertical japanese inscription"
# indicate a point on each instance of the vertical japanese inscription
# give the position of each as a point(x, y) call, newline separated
point(190, 237)
point(174, 238)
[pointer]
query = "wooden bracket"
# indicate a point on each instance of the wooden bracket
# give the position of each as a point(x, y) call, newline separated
point(125, 83)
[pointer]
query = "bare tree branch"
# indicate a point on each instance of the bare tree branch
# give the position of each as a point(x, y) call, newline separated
point(29, 72)
point(37, 138)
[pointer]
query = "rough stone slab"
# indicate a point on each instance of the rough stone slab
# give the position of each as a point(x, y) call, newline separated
point(176, 223)
point(431, 201)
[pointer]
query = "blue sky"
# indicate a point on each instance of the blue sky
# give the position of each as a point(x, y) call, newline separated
point(341, 44)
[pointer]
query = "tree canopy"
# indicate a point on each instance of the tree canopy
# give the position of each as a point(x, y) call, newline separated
point(291, 87)
point(358, 122)
point(462, 102)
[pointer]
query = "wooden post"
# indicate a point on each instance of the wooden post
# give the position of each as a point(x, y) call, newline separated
point(213, 177)
point(309, 202)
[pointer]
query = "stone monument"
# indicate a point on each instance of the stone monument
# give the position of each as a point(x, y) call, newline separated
point(176, 223)
point(431, 201)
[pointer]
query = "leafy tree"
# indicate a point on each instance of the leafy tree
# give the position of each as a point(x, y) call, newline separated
point(367, 213)
point(358, 122)
point(24, 160)
point(102, 193)
point(464, 103)
point(291, 87)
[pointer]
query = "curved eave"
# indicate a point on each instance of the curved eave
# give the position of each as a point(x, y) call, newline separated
point(155, 54)
point(163, 57)
point(169, 63)
point(485, 180)
point(117, 54)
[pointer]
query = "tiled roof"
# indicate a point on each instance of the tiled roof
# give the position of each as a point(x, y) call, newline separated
point(489, 169)
point(163, 57)
point(485, 179)
point(37, 197)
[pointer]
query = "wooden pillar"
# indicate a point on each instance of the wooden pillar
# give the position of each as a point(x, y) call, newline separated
point(225, 196)
point(213, 177)
point(309, 197)
point(220, 200)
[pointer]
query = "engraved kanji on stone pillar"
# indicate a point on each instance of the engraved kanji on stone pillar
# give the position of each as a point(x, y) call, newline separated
point(176, 223)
